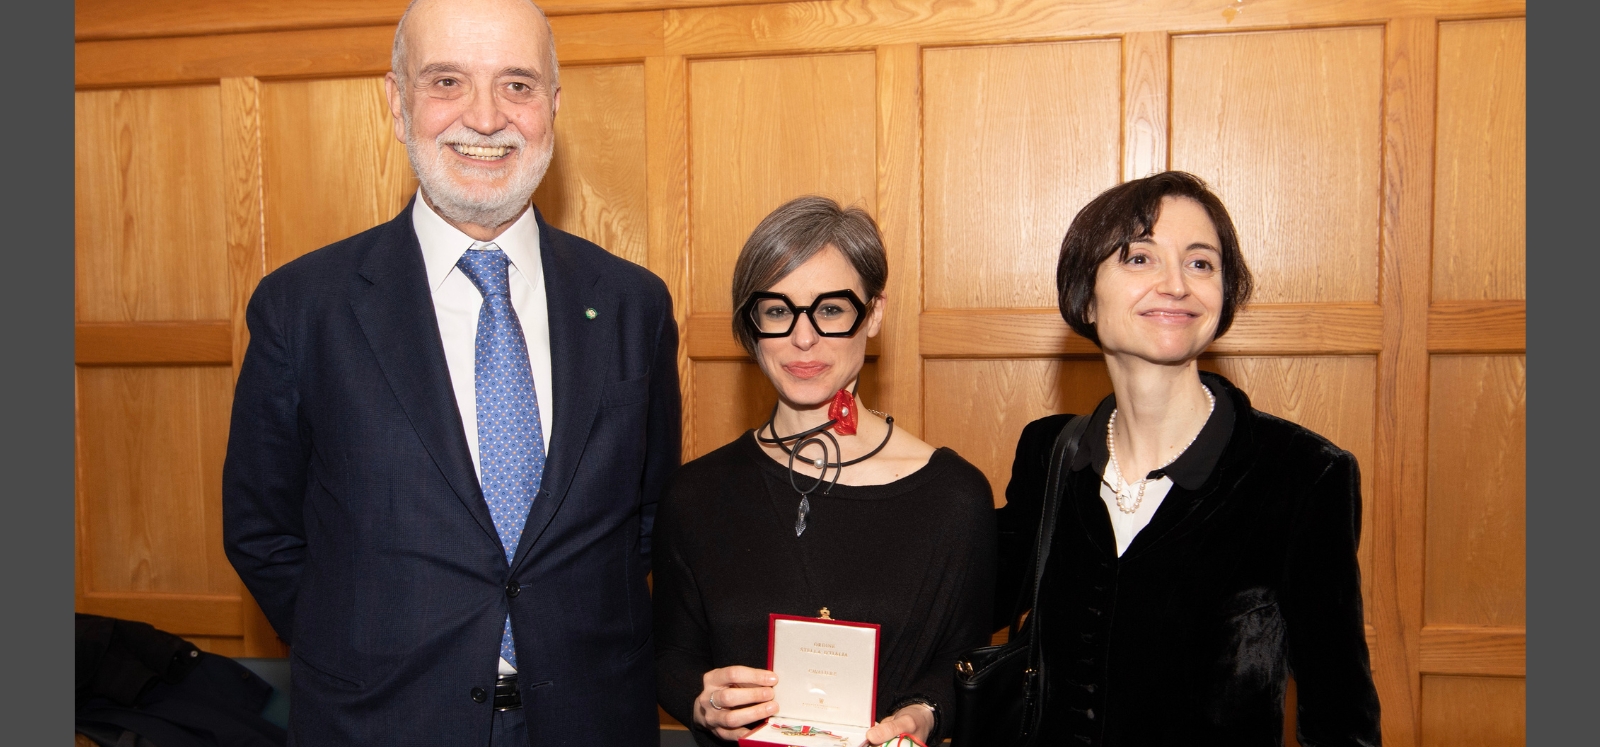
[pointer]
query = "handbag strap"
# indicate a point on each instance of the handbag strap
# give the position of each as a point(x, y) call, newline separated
point(1062, 455)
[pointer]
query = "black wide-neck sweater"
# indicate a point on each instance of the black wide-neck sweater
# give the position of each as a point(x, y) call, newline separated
point(915, 556)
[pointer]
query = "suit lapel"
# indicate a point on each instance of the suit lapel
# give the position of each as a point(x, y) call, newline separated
point(580, 354)
point(1092, 516)
point(395, 311)
point(1183, 510)
point(1175, 511)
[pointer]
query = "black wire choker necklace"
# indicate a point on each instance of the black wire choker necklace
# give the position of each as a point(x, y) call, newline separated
point(820, 436)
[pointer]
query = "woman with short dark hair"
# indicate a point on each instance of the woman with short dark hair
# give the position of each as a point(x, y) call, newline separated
point(827, 504)
point(1203, 550)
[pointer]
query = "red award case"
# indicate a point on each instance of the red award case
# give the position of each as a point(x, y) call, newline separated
point(827, 683)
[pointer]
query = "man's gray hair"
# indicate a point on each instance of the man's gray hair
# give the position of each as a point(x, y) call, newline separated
point(397, 57)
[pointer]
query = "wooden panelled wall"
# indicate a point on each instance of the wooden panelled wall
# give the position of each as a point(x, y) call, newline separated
point(1371, 152)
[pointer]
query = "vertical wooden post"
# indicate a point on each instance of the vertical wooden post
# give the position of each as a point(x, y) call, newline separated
point(899, 155)
point(666, 108)
point(1404, 290)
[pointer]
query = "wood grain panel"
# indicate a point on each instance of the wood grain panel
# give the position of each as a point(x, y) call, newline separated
point(1286, 127)
point(133, 343)
point(148, 213)
point(327, 52)
point(764, 131)
point(730, 397)
point(112, 19)
point(332, 166)
point(734, 396)
point(151, 443)
point(860, 23)
point(978, 408)
point(178, 614)
point(1146, 83)
point(360, 50)
point(1480, 212)
point(900, 222)
point(1475, 650)
point(1473, 712)
point(1018, 138)
point(1284, 329)
point(1333, 396)
point(1477, 469)
point(595, 188)
point(1478, 327)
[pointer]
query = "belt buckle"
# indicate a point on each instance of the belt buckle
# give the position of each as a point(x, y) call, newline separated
point(506, 695)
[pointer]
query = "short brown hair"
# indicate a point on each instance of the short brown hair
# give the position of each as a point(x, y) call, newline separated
point(1127, 213)
point(796, 232)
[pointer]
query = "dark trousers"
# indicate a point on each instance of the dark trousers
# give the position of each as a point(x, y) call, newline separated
point(510, 729)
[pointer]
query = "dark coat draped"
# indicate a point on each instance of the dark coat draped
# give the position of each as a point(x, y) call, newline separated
point(1245, 576)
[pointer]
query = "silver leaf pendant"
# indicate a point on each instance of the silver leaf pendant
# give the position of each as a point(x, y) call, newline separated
point(800, 519)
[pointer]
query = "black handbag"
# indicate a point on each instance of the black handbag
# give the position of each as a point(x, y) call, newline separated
point(1000, 690)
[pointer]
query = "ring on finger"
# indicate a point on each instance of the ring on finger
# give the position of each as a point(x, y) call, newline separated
point(713, 699)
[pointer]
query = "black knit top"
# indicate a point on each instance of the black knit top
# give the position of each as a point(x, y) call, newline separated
point(915, 556)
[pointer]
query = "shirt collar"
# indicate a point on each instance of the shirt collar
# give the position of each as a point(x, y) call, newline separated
point(1194, 466)
point(443, 244)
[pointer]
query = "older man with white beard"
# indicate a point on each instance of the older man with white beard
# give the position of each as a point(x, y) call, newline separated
point(450, 431)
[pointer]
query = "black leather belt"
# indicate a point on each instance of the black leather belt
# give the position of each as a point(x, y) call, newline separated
point(506, 697)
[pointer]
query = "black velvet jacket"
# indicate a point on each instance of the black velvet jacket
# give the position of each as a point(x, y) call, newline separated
point(1245, 576)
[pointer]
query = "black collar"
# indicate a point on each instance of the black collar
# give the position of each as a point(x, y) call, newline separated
point(1194, 466)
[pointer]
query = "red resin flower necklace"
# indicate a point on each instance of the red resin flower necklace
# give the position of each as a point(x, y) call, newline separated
point(842, 419)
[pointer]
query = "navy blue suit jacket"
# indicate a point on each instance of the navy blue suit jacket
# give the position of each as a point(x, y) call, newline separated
point(352, 511)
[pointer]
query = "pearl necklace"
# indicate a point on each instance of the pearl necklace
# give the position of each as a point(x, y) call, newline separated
point(1111, 446)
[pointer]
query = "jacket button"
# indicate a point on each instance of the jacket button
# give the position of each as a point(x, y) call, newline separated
point(1090, 714)
point(513, 588)
point(479, 695)
point(1089, 688)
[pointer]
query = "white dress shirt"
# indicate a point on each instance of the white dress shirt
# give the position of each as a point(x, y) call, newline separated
point(456, 303)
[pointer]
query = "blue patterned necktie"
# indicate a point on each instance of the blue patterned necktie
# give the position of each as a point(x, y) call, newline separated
point(510, 438)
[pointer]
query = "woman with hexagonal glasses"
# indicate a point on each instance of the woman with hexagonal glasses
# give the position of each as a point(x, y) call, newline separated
point(825, 505)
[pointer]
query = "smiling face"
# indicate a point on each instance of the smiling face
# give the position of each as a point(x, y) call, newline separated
point(476, 106)
point(1163, 301)
point(806, 368)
